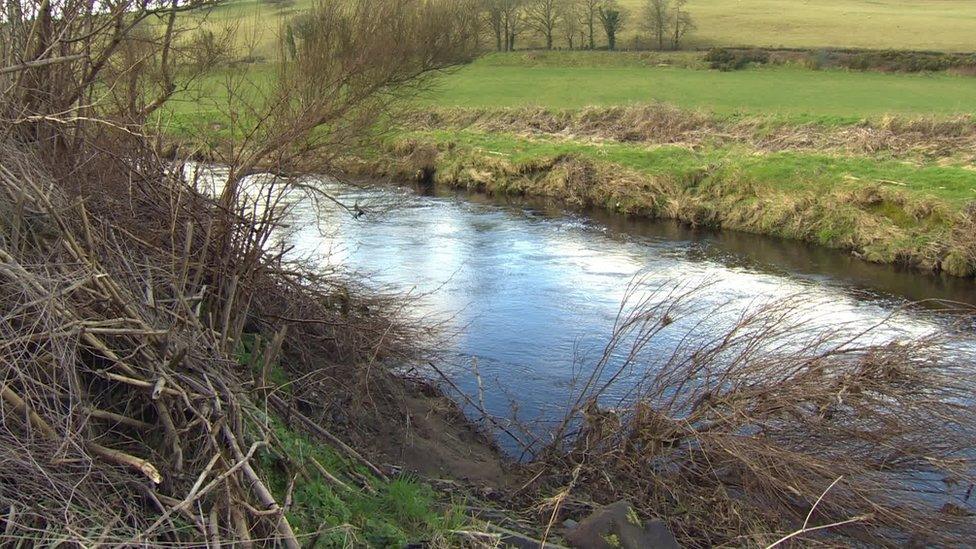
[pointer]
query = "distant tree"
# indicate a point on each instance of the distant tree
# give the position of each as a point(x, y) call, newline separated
point(681, 23)
point(667, 22)
point(513, 18)
point(290, 42)
point(494, 15)
point(591, 13)
point(655, 20)
point(612, 18)
point(544, 17)
point(572, 18)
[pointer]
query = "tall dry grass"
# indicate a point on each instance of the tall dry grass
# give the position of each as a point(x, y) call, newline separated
point(748, 434)
point(664, 123)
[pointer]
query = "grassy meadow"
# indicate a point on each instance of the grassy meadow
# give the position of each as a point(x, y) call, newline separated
point(566, 81)
point(941, 25)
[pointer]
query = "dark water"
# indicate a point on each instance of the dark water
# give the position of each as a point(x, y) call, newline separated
point(531, 290)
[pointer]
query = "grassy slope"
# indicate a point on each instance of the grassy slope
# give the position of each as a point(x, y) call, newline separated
point(781, 171)
point(567, 82)
point(886, 212)
point(943, 25)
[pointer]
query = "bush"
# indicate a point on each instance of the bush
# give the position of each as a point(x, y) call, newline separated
point(726, 59)
point(903, 61)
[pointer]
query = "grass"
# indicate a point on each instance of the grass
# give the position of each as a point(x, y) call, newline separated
point(400, 511)
point(567, 82)
point(941, 25)
point(787, 172)
point(394, 513)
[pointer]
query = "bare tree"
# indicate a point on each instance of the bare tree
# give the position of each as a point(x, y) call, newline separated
point(571, 22)
point(681, 23)
point(612, 18)
point(494, 15)
point(655, 20)
point(355, 61)
point(70, 56)
point(513, 17)
point(590, 15)
point(667, 22)
point(544, 16)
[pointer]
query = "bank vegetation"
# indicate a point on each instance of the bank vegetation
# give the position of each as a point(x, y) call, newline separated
point(896, 190)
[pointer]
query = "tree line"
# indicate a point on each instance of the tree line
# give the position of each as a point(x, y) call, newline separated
point(584, 24)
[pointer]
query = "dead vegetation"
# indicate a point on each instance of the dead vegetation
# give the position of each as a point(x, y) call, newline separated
point(154, 338)
point(769, 431)
point(666, 124)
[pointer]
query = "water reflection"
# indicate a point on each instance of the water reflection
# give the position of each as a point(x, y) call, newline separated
point(532, 289)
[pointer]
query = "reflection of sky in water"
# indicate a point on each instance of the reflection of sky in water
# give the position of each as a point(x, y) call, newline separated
point(533, 293)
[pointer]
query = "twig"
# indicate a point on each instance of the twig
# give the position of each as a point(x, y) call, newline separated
point(319, 430)
point(483, 412)
point(803, 529)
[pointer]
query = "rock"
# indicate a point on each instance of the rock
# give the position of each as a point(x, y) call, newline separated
point(570, 524)
point(617, 526)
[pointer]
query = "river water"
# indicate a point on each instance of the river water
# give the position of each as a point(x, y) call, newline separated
point(529, 292)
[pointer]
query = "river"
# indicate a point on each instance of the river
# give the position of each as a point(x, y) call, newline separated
point(529, 292)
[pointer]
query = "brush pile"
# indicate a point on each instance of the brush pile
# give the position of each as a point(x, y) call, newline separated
point(117, 393)
point(153, 335)
point(125, 417)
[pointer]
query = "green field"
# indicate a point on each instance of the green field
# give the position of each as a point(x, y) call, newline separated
point(885, 202)
point(505, 81)
point(944, 25)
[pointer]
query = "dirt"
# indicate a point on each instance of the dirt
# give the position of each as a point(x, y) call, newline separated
point(437, 441)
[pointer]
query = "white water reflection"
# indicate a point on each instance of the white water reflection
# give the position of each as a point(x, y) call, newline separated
point(531, 294)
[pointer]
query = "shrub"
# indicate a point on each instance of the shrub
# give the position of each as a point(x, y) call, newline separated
point(725, 59)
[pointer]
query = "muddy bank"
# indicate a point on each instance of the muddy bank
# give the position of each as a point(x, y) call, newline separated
point(877, 223)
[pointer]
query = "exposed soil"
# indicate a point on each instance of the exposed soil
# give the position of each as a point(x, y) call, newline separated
point(436, 440)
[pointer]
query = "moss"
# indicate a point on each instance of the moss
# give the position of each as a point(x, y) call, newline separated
point(399, 511)
point(612, 540)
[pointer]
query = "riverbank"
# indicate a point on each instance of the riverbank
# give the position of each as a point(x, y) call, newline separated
point(897, 190)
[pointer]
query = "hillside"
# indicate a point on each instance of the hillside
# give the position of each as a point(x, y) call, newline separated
point(940, 25)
